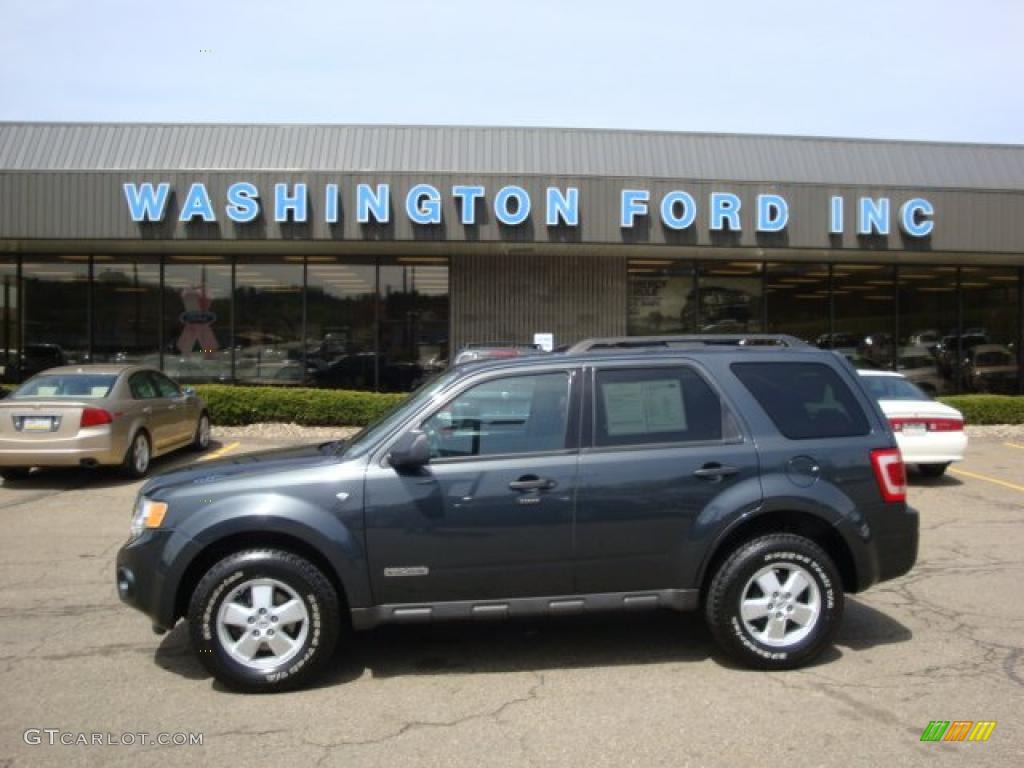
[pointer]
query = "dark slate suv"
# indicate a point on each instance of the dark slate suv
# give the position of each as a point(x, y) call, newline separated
point(748, 477)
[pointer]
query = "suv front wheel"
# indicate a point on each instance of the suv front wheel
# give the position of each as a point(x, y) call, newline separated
point(776, 602)
point(264, 620)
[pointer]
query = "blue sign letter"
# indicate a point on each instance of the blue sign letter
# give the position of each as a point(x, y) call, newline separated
point(368, 202)
point(197, 203)
point(283, 203)
point(772, 213)
point(874, 216)
point(669, 204)
point(331, 202)
point(468, 196)
point(725, 205)
point(915, 217)
point(501, 205)
point(634, 203)
point(144, 204)
point(242, 204)
point(835, 223)
point(423, 205)
point(565, 207)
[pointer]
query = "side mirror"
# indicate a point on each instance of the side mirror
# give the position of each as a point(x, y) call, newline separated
point(188, 391)
point(412, 451)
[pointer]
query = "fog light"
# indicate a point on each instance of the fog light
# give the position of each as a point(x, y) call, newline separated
point(125, 583)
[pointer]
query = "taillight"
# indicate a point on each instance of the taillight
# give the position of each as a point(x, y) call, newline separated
point(890, 473)
point(929, 425)
point(93, 417)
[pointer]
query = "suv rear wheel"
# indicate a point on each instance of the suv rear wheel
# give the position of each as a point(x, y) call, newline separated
point(776, 602)
point(264, 620)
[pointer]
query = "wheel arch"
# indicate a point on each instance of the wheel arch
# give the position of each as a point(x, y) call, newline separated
point(801, 523)
point(229, 544)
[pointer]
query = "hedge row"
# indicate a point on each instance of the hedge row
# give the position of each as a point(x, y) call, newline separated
point(231, 405)
point(988, 409)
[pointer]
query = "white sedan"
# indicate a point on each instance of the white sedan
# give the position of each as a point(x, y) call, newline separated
point(928, 433)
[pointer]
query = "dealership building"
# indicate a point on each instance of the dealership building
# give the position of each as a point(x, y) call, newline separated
point(364, 256)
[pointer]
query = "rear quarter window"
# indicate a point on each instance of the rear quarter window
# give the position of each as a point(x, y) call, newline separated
point(804, 400)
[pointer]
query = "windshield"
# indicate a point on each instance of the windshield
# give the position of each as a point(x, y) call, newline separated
point(367, 436)
point(892, 388)
point(78, 386)
point(994, 358)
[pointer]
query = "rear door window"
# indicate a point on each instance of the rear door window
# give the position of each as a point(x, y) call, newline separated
point(142, 386)
point(804, 400)
point(648, 406)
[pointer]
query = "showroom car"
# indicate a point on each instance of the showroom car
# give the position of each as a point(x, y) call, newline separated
point(98, 415)
point(929, 433)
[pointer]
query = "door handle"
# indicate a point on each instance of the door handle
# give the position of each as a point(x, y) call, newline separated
point(532, 483)
point(714, 472)
point(147, 409)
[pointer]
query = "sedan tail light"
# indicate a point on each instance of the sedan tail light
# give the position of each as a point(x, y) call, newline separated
point(930, 425)
point(890, 473)
point(93, 417)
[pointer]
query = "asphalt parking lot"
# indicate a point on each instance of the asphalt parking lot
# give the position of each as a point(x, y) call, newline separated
point(943, 643)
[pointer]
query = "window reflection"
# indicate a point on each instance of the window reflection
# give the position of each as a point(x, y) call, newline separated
point(9, 321)
point(730, 298)
point(928, 312)
point(197, 318)
point(991, 319)
point(55, 313)
point(661, 297)
point(126, 298)
point(340, 321)
point(864, 302)
point(268, 323)
point(797, 298)
point(413, 306)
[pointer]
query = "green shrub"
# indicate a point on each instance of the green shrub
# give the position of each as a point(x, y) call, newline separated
point(231, 405)
point(988, 409)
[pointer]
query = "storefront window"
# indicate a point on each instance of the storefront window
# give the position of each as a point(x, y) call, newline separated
point(197, 318)
point(340, 322)
point(991, 326)
point(730, 297)
point(8, 321)
point(268, 322)
point(54, 313)
point(413, 314)
point(927, 338)
point(864, 300)
point(661, 297)
point(126, 316)
point(797, 300)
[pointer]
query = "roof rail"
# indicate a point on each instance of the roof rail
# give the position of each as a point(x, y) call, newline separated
point(707, 339)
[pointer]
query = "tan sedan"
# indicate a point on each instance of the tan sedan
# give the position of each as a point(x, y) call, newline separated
point(98, 415)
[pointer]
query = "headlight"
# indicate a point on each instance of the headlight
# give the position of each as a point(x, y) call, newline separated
point(147, 514)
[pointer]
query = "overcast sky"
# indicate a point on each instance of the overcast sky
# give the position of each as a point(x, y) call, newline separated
point(908, 69)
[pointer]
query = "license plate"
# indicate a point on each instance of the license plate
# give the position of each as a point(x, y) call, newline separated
point(914, 429)
point(37, 424)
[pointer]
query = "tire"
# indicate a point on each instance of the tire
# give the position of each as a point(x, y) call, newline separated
point(201, 438)
point(740, 579)
point(134, 466)
point(274, 578)
point(933, 470)
point(14, 473)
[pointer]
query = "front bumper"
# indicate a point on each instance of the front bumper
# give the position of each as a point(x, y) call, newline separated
point(143, 578)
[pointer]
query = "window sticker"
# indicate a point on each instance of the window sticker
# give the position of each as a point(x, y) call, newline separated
point(637, 407)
